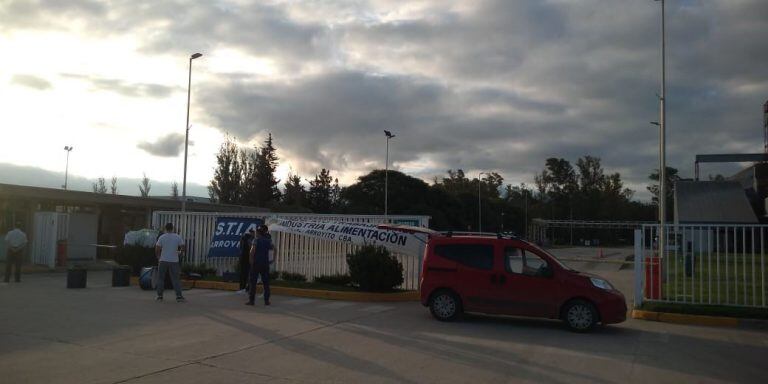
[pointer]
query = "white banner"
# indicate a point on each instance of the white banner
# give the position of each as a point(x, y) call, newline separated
point(355, 233)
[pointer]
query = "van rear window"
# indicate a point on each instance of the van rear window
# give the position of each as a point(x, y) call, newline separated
point(479, 256)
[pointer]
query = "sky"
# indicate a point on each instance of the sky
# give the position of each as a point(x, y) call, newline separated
point(478, 85)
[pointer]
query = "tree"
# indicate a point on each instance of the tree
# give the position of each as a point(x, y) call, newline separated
point(249, 190)
point(671, 177)
point(175, 190)
point(320, 192)
point(265, 173)
point(145, 186)
point(295, 193)
point(113, 186)
point(100, 186)
point(226, 184)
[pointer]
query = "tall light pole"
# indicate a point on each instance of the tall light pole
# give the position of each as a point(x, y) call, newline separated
point(67, 148)
point(186, 137)
point(662, 140)
point(386, 176)
point(479, 203)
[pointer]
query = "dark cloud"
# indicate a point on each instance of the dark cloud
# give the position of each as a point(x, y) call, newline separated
point(124, 88)
point(483, 85)
point(170, 145)
point(30, 81)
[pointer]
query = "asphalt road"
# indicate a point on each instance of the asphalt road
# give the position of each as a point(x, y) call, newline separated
point(49, 334)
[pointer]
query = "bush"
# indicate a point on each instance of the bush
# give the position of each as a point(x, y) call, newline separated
point(290, 276)
point(137, 257)
point(373, 269)
point(337, 279)
point(274, 275)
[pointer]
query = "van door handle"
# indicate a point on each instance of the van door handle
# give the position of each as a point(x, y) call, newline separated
point(493, 279)
point(502, 279)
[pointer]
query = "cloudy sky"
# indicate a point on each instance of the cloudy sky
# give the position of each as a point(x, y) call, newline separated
point(478, 85)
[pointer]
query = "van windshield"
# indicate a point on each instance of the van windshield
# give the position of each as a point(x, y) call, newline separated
point(556, 260)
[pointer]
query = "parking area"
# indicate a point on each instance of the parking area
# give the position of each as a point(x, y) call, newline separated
point(121, 335)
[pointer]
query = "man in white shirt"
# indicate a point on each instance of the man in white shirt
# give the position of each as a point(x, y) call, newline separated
point(15, 240)
point(167, 250)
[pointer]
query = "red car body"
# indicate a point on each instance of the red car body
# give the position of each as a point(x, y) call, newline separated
point(510, 276)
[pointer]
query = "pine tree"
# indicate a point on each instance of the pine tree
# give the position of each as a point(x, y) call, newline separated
point(145, 186)
point(320, 192)
point(249, 184)
point(295, 193)
point(175, 190)
point(227, 177)
point(264, 172)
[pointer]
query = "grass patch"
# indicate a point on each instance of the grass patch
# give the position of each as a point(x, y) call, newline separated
point(708, 310)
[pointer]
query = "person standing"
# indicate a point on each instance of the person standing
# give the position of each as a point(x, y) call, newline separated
point(16, 241)
point(245, 251)
point(259, 258)
point(167, 250)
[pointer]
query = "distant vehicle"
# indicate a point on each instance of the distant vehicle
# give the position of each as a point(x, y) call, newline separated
point(507, 275)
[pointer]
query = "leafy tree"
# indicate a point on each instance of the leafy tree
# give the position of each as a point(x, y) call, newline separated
point(100, 186)
point(226, 184)
point(113, 186)
point(249, 184)
point(671, 177)
point(145, 186)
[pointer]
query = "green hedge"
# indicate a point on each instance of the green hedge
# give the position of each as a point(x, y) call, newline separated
point(374, 269)
point(337, 279)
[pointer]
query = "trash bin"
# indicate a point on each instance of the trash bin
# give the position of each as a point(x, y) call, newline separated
point(653, 278)
point(77, 277)
point(121, 276)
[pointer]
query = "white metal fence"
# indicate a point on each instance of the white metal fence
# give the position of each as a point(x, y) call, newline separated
point(703, 264)
point(49, 228)
point(310, 256)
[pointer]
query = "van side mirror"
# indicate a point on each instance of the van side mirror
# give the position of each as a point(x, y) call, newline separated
point(546, 271)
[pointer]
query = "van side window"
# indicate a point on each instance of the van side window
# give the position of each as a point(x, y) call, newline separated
point(517, 260)
point(479, 256)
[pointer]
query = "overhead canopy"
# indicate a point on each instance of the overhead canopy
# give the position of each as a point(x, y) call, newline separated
point(712, 202)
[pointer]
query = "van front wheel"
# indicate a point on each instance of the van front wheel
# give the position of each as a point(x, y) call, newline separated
point(445, 306)
point(580, 316)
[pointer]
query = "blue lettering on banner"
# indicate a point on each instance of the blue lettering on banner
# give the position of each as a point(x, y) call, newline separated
point(226, 237)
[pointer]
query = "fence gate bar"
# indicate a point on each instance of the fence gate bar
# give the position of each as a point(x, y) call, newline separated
point(715, 264)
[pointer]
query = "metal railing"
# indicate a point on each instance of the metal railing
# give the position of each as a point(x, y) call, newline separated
point(713, 264)
point(309, 256)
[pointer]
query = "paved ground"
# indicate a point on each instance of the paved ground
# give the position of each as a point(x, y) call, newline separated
point(49, 334)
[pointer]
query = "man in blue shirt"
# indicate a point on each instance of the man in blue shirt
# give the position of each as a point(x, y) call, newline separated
point(259, 259)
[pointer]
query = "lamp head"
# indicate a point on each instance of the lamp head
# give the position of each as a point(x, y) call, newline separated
point(389, 134)
point(195, 56)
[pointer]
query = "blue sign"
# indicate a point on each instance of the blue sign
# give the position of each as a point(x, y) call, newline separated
point(226, 237)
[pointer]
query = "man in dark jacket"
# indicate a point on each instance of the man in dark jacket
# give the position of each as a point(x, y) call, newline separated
point(245, 251)
point(259, 258)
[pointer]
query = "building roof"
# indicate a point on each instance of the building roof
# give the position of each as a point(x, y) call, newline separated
point(68, 197)
point(712, 202)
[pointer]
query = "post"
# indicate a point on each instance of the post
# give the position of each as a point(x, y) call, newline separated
point(66, 169)
point(639, 275)
point(479, 206)
point(186, 135)
point(386, 183)
point(662, 144)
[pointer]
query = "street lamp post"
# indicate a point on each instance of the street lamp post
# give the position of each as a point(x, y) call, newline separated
point(479, 203)
point(386, 176)
point(67, 148)
point(186, 136)
point(662, 140)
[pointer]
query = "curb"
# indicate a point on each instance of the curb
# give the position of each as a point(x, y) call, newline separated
point(715, 321)
point(308, 293)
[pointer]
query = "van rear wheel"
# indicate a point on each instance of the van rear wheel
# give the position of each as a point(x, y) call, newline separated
point(580, 316)
point(445, 305)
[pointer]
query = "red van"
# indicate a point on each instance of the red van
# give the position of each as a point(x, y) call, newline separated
point(510, 276)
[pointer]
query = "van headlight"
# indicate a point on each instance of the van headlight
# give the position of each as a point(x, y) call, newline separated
point(600, 283)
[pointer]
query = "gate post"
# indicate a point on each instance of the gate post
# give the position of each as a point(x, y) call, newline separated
point(639, 275)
